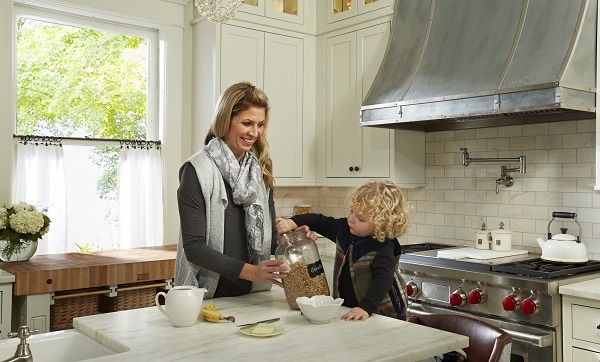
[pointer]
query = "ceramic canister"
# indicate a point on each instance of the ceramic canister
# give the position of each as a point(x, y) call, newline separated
point(482, 239)
point(501, 240)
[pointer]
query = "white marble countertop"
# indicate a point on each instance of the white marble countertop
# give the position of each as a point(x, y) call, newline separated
point(6, 277)
point(588, 289)
point(147, 335)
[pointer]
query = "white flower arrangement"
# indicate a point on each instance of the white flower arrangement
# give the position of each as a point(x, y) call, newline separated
point(20, 223)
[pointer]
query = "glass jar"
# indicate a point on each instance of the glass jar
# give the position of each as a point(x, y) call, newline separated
point(301, 209)
point(305, 275)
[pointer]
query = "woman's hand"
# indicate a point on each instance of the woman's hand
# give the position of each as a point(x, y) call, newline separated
point(356, 314)
point(267, 271)
point(284, 225)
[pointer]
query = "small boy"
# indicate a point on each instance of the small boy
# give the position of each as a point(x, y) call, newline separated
point(366, 265)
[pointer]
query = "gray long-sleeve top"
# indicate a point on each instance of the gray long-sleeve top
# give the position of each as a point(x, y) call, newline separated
point(192, 214)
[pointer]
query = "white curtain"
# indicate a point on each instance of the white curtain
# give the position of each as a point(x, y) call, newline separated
point(40, 181)
point(140, 198)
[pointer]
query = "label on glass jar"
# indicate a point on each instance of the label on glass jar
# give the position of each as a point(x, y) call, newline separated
point(315, 268)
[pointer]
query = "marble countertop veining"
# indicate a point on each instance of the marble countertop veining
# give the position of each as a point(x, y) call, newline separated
point(147, 335)
point(588, 289)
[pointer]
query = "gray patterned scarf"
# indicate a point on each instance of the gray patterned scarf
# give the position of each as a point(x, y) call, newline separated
point(244, 178)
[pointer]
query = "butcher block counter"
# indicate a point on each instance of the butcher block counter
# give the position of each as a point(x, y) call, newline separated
point(57, 272)
point(44, 278)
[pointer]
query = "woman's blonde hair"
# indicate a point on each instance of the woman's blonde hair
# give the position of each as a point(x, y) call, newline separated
point(235, 99)
point(381, 201)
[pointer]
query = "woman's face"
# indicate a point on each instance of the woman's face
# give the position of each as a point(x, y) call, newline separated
point(245, 128)
point(359, 224)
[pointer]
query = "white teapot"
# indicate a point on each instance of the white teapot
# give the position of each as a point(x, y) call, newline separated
point(563, 248)
point(182, 304)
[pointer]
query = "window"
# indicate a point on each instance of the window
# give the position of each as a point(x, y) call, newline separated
point(90, 83)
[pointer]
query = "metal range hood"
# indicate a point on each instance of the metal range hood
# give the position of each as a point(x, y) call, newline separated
point(459, 64)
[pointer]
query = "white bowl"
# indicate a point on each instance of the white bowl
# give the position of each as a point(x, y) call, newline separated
point(319, 309)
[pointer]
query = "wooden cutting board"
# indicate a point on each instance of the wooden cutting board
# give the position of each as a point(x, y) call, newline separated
point(480, 254)
point(69, 271)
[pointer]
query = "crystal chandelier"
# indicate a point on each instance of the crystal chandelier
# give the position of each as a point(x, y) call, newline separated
point(218, 11)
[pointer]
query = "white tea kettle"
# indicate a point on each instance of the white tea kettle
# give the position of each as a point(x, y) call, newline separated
point(563, 248)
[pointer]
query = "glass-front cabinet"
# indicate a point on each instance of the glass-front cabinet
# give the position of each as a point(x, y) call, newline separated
point(288, 10)
point(344, 9)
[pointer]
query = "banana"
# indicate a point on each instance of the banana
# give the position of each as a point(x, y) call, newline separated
point(210, 314)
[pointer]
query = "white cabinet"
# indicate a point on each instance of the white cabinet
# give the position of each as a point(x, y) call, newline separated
point(353, 153)
point(275, 63)
point(581, 329)
point(343, 9)
point(5, 309)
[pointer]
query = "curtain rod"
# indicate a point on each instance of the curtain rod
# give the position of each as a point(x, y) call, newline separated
point(51, 139)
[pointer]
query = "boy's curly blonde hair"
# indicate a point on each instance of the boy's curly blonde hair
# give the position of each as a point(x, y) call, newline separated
point(381, 201)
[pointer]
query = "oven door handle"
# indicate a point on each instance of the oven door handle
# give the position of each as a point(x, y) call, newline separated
point(541, 340)
point(544, 340)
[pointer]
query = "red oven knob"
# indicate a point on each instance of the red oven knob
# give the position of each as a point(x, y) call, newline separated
point(458, 298)
point(477, 296)
point(530, 306)
point(510, 303)
point(412, 289)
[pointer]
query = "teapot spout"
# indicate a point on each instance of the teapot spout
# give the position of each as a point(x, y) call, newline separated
point(541, 242)
point(199, 293)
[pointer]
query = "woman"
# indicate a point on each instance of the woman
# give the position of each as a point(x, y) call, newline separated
point(225, 198)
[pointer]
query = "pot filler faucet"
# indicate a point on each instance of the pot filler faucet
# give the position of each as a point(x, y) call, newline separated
point(505, 178)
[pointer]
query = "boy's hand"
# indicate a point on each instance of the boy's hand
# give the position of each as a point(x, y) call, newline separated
point(284, 225)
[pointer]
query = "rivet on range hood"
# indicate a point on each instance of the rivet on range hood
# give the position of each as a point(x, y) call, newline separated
point(459, 64)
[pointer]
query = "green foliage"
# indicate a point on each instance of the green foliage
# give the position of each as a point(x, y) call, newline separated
point(81, 82)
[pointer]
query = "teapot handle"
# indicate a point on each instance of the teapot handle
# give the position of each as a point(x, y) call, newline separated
point(564, 215)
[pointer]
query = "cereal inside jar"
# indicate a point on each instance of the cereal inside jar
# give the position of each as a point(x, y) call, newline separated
point(305, 275)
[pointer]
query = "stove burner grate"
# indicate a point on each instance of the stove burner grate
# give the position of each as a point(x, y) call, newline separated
point(545, 269)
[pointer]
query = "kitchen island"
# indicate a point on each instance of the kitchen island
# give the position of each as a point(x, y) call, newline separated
point(147, 335)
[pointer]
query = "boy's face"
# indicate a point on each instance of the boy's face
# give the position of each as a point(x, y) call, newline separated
point(359, 223)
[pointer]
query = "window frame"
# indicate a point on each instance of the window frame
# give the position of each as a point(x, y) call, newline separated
point(172, 19)
point(71, 19)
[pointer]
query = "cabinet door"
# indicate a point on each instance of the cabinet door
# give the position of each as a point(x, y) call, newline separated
point(284, 65)
point(242, 56)
point(343, 144)
point(376, 144)
point(353, 60)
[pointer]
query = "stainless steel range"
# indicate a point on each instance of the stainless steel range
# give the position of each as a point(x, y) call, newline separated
point(518, 294)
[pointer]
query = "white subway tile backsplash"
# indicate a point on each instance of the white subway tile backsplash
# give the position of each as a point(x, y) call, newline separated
point(578, 140)
point(434, 219)
point(578, 169)
point(563, 155)
point(577, 199)
point(510, 131)
point(537, 129)
point(491, 132)
point(562, 127)
point(548, 199)
point(556, 184)
point(454, 195)
point(456, 199)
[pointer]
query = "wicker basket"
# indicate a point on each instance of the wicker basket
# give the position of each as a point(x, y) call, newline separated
point(66, 308)
point(129, 299)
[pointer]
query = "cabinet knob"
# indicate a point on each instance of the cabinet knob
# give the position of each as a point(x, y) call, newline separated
point(355, 168)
